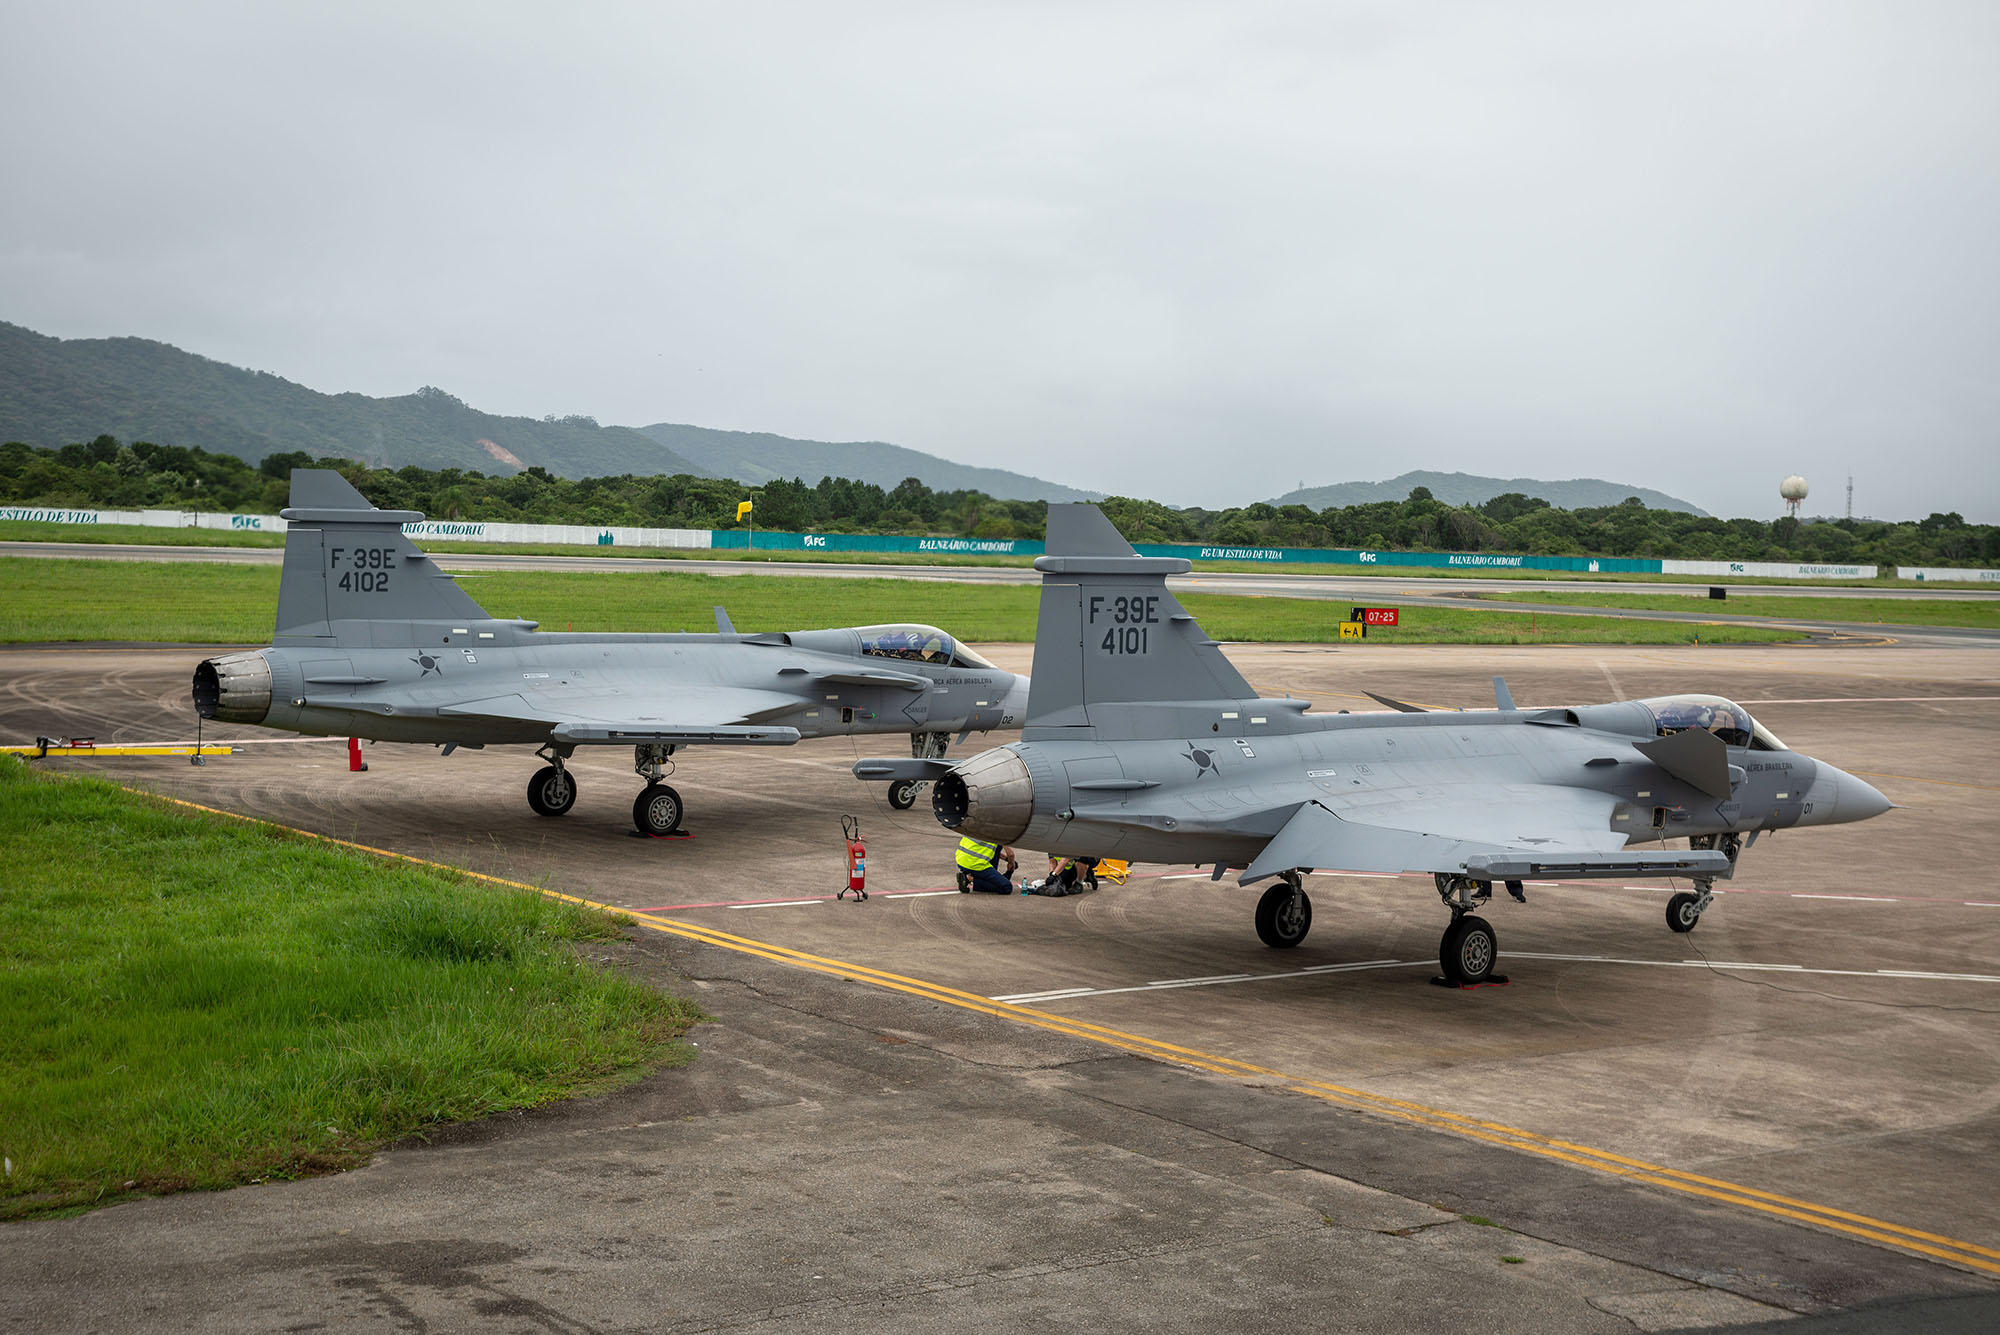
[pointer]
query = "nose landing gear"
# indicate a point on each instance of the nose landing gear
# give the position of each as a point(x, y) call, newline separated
point(903, 793)
point(1684, 910)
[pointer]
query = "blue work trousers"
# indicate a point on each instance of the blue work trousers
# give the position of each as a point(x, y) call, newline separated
point(989, 881)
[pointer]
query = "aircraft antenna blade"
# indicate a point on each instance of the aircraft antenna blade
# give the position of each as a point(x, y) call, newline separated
point(1399, 706)
point(1502, 696)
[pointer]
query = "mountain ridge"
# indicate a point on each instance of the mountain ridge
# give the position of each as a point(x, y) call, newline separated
point(55, 392)
point(1582, 493)
point(862, 460)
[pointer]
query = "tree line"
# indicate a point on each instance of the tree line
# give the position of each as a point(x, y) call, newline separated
point(108, 474)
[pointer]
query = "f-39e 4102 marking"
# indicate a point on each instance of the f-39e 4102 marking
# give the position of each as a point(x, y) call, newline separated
point(1143, 742)
point(373, 640)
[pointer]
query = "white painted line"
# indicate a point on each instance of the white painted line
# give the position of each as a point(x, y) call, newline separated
point(779, 904)
point(1982, 904)
point(1212, 982)
point(1319, 969)
point(1746, 964)
point(1185, 876)
point(911, 894)
point(1198, 982)
point(1864, 899)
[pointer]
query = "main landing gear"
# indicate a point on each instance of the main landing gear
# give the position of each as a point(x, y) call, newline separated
point(1285, 913)
point(923, 746)
point(1469, 949)
point(656, 811)
point(1684, 910)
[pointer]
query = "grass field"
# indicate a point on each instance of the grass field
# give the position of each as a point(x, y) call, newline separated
point(171, 1027)
point(199, 603)
point(1983, 614)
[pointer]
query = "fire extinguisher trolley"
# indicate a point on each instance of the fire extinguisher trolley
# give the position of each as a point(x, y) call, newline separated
point(857, 860)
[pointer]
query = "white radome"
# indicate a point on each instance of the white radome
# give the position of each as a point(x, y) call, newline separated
point(1793, 488)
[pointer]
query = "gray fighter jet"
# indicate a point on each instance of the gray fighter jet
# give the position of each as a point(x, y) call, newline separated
point(373, 640)
point(1142, 742)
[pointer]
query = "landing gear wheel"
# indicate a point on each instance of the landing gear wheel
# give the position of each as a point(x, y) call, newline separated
point(1683, 912)
point(903, 794)
point(1469, 950)
point(552, 792)
point(657, 811)
point(1282, 923)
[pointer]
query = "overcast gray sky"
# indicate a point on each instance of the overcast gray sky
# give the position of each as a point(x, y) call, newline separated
point(1202, 253)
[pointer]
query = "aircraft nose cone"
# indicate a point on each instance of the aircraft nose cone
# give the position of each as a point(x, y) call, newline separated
point(1860, 799)
point(1838, 798)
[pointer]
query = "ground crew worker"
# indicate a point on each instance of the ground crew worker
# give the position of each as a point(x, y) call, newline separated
point(976, 870)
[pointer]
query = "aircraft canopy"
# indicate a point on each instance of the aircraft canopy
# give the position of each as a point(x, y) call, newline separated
point(919, 644)
point(1726, 719)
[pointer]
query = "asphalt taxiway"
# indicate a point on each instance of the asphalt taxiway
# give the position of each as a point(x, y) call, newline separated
point(937, 1110)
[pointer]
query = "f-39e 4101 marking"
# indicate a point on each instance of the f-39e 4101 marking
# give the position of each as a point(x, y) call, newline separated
point(373, 640)
point(1143, 742)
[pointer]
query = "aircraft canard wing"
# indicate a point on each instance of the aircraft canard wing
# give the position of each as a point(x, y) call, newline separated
point(1518, 831)
point(711, 715)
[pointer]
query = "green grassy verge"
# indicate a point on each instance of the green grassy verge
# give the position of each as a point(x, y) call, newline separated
point(196, 1003)
point(1979, 613)
point(198, 603)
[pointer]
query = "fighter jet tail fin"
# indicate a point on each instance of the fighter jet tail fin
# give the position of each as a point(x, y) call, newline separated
point(1110, 635)
point(348, 565)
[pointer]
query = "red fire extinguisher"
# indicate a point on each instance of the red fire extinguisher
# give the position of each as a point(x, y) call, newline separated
point(857, 860)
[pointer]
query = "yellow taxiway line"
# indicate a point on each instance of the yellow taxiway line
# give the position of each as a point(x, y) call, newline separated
point(1967, 1254)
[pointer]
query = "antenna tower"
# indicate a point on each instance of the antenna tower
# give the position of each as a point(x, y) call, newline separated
point(1850, 495)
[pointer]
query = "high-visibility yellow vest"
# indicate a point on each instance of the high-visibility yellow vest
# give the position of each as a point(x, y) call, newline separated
point(975, 854)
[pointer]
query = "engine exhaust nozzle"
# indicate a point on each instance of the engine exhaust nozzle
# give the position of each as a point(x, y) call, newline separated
point(990, 797)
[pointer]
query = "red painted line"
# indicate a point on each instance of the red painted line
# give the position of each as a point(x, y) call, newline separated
point(873, 894)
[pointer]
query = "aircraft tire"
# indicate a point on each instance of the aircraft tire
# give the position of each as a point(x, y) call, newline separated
point(1469, 950)
point(1277, 926)
point(903, 794)
point(657, 810)
point(552, 792)
point(1683, 913)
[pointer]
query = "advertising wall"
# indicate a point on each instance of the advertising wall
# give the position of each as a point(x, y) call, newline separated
point(1947, 572)
point(1767, 570)
point(768, 541)
point(435, 530)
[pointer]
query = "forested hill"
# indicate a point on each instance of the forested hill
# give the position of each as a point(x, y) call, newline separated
point(57, 391)
point(1582, 493)
point(761, 457)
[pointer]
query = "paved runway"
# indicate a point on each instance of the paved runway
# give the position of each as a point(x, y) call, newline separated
point(1823, 1049)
